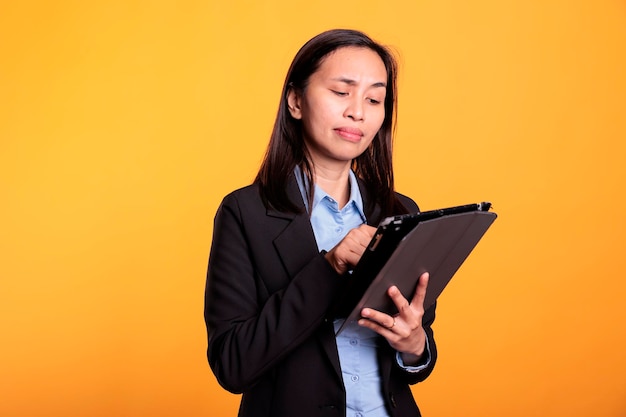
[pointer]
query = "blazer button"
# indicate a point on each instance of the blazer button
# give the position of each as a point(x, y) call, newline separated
point(392, 399)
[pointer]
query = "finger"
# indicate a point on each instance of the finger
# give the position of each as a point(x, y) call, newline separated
point(388, 332)
point(367, 229)
point(365, 234)
point(377, 319)
point(358, 240)
point(359, 237)
point(398, 299)
point(420, 291)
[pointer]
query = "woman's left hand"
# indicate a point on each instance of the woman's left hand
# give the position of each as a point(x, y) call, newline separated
point(403, 331)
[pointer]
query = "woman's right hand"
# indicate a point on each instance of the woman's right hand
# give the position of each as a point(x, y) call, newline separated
point(347, 253)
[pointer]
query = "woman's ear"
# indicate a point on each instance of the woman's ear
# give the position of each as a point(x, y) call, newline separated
point(293, 103)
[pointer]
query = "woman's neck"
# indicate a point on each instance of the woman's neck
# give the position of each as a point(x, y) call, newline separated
point(335, 181)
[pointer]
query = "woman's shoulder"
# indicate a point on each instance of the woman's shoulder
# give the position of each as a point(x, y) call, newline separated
point(407, 202)
point(244, 204)
point(247, 195)
point(247, 190)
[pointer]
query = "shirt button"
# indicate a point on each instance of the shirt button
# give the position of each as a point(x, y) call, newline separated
point(339, 229)
point(353, 342)
point(354, 378)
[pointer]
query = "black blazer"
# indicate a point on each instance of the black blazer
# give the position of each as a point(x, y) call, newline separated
point(268, 296)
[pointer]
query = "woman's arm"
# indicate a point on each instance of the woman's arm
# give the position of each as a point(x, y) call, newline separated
point(250, 327)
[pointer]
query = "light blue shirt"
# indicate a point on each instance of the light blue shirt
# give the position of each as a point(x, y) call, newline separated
point(356, 345)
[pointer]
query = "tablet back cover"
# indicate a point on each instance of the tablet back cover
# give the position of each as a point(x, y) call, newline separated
point(438, 246)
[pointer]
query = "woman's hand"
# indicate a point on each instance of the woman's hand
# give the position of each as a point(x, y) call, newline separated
point(348, 252)
point(403, 331)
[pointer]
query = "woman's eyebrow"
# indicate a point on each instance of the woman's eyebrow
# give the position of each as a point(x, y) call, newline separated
point(353, 82)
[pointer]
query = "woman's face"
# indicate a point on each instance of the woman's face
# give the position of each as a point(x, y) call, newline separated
point(343, 106)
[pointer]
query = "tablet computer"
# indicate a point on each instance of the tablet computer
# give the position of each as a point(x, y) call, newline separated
point(405, 246)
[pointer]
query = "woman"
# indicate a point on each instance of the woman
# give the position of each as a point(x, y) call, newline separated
point(282, 248)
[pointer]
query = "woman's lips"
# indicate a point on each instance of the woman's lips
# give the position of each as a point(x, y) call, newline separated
point(350, 133)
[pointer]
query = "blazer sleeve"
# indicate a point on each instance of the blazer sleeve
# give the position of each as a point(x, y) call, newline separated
point(251, 326)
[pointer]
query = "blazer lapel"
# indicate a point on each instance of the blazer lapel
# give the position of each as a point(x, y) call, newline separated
point(296, 243)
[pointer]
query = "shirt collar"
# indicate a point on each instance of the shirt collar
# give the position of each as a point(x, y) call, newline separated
point(319, 195)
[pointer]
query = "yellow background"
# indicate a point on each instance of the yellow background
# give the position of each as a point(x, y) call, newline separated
point(124, 123)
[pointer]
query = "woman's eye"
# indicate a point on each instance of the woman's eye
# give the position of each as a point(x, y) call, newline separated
point(340, 93)
point(373, 101)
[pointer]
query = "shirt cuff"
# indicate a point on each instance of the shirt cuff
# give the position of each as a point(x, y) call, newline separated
point(424, 361)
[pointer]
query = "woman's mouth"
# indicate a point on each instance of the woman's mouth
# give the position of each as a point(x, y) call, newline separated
point(350, 133)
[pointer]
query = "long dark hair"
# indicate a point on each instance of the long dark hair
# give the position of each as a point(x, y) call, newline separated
point(286, 148)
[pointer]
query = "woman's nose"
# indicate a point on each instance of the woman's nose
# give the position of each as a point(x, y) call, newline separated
point(354, 110)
